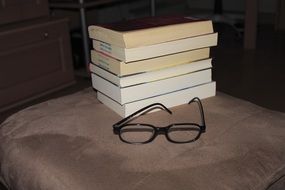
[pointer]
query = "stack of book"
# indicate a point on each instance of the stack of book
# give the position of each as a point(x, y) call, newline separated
point(158, 59)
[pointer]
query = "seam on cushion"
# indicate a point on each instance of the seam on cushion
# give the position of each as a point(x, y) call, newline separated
point(275, 178)
point(2, 181)
point(137, 184)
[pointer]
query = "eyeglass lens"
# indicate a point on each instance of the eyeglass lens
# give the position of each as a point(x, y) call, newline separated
point(140, 133)
point(183, 133)
point(137, 133)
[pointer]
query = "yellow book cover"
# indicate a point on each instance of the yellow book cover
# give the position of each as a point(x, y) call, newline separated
point(121, 68)
point(150, 30)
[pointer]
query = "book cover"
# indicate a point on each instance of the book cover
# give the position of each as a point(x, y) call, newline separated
point(149, 22)
point(148, 31)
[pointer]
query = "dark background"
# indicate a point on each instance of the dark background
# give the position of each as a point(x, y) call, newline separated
point(256, 75)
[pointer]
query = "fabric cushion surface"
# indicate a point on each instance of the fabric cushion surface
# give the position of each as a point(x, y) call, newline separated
point(68, 143)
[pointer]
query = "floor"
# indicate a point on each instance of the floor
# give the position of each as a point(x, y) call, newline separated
point(253, 75)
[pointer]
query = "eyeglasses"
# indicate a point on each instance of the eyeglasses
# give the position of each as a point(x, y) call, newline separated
point(141, 133)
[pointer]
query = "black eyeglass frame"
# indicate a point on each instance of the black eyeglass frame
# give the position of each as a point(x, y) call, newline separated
point(160, 130)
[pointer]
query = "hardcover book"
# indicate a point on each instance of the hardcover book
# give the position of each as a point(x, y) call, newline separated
point(148, 31)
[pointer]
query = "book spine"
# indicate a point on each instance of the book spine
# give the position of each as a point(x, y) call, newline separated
point(104, 47)
point(105, 62)
point(110, 50)
point(113, 105)
point(106, 87)
point(105, 74)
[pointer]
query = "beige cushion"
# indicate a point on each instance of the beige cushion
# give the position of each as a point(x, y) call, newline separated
point(68, 143)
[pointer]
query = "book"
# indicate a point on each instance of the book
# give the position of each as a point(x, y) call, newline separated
point(156, 50)
point(146, 90)
point(121, 68)
point(148, 31)
point(172, 99)
point(151, 76)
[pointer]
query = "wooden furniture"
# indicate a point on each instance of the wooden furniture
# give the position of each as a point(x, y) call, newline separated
point(280, 15)
point(251, 20)
point(81, 6)
point(251, 13)
point(35, 54)
point(19, 10)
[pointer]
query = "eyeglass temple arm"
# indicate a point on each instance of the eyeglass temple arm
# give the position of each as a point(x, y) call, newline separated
point(140, 111)
point(196, 99)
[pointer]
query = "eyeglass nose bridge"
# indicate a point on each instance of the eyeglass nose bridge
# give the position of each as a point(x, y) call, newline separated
point(161, 130)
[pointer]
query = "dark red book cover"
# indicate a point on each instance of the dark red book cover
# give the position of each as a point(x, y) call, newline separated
point(148, 22)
